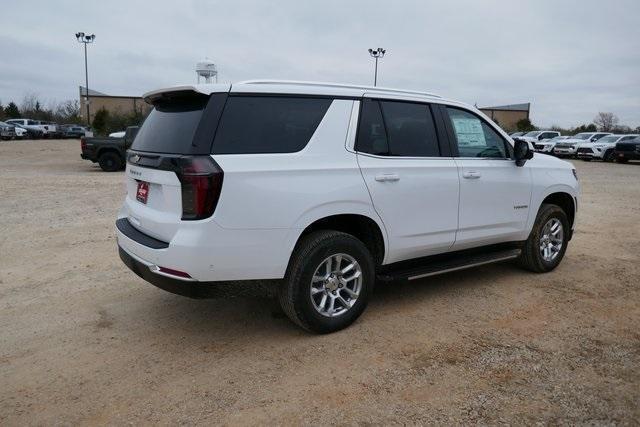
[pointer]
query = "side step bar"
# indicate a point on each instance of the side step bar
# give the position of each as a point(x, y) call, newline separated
point(447, 264)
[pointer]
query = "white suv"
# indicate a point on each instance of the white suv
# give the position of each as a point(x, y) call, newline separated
point(602, 149)
point(569, 147)
point(322, 189)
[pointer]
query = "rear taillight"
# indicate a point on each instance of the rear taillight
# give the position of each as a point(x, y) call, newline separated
point(201, 180)
point(83, 144)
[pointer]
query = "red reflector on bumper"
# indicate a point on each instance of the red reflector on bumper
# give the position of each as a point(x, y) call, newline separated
point(174, 272)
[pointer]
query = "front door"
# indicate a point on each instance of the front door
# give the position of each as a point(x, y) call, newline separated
point(494, 192)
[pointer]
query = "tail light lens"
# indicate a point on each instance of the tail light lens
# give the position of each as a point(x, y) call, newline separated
point(201, 181)
point(83, 143)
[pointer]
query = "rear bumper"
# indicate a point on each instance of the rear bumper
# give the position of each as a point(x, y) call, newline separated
point(195, 289)
point(210, 253)
point(87, 157)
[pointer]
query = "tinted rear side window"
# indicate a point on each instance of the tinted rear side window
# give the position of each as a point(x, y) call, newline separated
point(171, 125)
point(372, 136)
point(410, 129)
point(268, 124)
point(403, 129)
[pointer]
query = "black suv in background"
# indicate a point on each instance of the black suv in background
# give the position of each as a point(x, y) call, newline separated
point(628, 150)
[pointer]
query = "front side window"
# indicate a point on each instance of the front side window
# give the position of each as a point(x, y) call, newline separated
point(268, 124)
point(474, 137)
point(399, 129)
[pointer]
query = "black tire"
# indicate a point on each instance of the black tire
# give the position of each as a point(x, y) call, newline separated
point(295, 292)
point(609, 156)
point(586, 159)
point(622, 160)
point(531, 258)
point(110, 161)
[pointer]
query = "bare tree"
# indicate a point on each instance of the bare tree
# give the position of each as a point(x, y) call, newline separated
point(606, 121)
point(68, 111)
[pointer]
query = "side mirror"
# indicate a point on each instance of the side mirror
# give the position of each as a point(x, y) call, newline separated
point(521, 151)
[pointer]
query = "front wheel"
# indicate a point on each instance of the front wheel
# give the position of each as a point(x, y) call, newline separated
point(609, 156)
point(547, 243)
point(328, 282)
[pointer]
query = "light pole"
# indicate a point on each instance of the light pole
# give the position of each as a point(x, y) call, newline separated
point(376, 53)
point(83, 38)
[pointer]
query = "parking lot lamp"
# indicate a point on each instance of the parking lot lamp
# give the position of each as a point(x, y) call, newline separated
point(85, 39)
point(376, 54)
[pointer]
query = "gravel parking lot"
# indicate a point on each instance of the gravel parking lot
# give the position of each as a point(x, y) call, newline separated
point(83, 340)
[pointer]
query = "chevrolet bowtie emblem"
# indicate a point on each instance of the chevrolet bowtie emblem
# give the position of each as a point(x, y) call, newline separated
point(134, 159)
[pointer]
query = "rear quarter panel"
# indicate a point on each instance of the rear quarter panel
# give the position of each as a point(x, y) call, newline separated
point(292, 190)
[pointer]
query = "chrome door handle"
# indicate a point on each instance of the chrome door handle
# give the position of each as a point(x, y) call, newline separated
point(387, 177)
point(471, 175)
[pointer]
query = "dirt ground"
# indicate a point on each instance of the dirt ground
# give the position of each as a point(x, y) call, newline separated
point(85, 341)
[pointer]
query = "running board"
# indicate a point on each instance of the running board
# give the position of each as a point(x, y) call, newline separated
point(444, 264)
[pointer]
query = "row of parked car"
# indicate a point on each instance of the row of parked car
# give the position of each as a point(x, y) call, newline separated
point(586, 145)
point(36, 129)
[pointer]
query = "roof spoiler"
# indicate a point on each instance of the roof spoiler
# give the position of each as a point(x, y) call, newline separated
point(155, 95)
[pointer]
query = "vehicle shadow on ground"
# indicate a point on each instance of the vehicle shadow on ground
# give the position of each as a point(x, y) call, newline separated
point(253, 316)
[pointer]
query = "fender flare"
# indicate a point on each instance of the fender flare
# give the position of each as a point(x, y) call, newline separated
point(332, 209)
point(537, 202)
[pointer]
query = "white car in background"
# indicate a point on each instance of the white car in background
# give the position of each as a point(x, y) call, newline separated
point(602, 149)
point(30, 127)
point(569, 147)
point(537, 136)
point(119, 134)
point(546, 146)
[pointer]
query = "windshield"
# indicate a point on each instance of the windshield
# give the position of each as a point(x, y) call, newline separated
point(610, 138)
point(535, 133)
point(582, 136)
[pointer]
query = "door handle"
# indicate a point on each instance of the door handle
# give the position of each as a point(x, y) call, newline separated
point(387, 177)
point(471, 175)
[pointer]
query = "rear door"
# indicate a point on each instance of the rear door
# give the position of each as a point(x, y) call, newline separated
point(411, 177)
point(494, 192)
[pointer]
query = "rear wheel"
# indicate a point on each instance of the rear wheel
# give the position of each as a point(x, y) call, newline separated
point(328, 282)
point(547, 243)
point(110, 161)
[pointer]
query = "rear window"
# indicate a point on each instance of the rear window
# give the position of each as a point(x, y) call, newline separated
point(171, 125)
point(268, 124)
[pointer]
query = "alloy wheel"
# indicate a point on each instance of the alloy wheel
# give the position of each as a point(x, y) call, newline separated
point(336, 285)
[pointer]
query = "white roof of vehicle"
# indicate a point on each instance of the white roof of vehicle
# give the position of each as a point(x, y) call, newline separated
point(292, 87)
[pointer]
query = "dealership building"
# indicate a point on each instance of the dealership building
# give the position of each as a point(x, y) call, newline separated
point(111, 103)
point(507, 116)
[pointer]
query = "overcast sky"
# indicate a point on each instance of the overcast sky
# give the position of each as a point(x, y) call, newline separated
point(570, 59)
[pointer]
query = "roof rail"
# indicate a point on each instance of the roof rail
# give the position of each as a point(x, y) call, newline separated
point(338, 85)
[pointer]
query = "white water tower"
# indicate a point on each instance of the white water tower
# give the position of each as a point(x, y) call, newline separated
point(208, 70)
